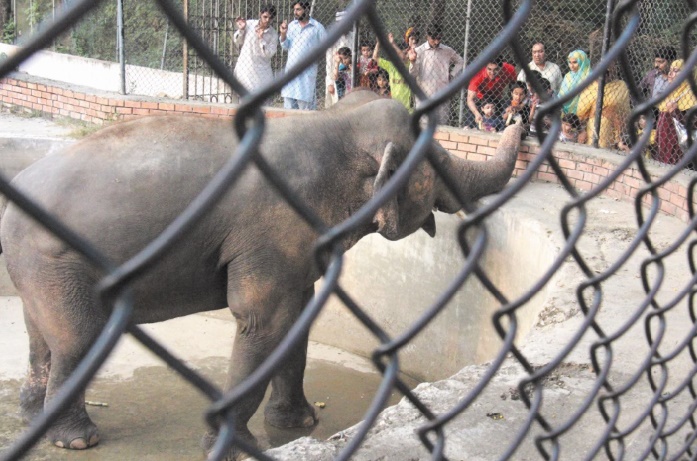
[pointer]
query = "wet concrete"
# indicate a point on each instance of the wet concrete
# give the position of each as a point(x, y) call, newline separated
point(153, 414)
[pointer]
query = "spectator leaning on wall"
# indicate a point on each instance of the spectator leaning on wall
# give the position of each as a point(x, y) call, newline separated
point(548, 69)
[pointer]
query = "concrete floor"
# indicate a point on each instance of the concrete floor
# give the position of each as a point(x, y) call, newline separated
point(153, 414)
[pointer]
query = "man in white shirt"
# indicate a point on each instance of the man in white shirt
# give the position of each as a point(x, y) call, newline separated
point(299, 37)
point(549, 70)
point(257, 42)
point(430, 64)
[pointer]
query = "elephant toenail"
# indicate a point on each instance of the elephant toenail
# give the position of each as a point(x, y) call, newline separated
point(94, 440)
point(78, 444)
point(59, 444)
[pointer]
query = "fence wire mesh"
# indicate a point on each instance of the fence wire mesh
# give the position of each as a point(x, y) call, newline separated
point(511, 29)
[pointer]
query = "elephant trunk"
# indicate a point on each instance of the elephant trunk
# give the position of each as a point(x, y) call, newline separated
point(478, 179)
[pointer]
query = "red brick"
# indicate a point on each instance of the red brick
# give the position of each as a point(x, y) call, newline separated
point(486, 150)
point(549, 177)
point(600, 171)
point(521, 165)
point(124, 110)
point(459, 137)
point(668, 207)
point(31, 86)
point(209, 110)
point(573, 174)
point(583, 185)
point(182, 108)
point(139, 111)
point(448, 145)
point(678, 201)
point(441, 136)
point(165, 106)
point(478, 141)
point(567, 164)
point(466, 147)
point(149, 105)
point(91, 98)
point(116, 102)
point(592, 178)
point(224, 111)
point(477, 157)
point(584, 167)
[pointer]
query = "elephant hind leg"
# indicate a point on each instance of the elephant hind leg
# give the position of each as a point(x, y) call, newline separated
point(62, 322)
point(33, 391)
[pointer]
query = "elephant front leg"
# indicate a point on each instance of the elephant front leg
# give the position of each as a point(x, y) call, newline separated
point(259, 331)
point(288, 406)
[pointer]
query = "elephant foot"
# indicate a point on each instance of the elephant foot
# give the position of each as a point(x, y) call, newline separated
point(285, 416)
point(78, 436)
point(233, 453)
point(31, 402)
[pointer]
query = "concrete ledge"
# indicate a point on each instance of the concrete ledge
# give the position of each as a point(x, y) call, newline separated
point(474, 434)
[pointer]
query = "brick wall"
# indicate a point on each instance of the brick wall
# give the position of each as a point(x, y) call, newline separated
point(585, 167)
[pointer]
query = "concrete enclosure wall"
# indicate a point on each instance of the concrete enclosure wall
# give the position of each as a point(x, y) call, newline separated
point(398, 281)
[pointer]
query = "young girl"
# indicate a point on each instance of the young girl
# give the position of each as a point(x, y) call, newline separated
point(342, 71)
point(382, 83)
point(367, 66)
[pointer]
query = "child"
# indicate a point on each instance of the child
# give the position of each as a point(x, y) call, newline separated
point(382, 83)
point(651, 148)
point(518, 111)
point(342, 71)
point(570, 126)
point(490, 121)
point(367, 66)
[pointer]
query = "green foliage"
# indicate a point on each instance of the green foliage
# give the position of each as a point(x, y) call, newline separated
point(9, 32)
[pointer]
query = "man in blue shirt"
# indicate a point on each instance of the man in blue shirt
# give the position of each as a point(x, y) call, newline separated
point(299, 37)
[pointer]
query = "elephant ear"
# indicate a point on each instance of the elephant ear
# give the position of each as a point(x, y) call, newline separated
point(387, 217)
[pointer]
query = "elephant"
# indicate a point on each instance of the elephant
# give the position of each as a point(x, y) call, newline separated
point(251, 253)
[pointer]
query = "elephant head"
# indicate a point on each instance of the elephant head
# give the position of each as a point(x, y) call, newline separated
point(412, 208)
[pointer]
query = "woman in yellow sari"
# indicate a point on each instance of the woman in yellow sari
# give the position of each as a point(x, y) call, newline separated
point(672, 107)
point(614, 112)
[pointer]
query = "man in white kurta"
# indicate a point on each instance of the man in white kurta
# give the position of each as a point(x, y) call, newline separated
point(549, 70)
point(299, 37)
point(258, 43)
point(431, 64)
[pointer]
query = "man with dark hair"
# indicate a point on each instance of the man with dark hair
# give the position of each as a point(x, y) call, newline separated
point(490, 82)
point(299, 37)
point(430, 64)
point(539, 63)
point(656, 79)
point(253, 68)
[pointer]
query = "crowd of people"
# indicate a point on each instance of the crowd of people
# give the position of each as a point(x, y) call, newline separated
point(497, 96)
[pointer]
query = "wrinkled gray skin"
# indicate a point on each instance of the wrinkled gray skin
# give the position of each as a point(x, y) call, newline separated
point(120, 188)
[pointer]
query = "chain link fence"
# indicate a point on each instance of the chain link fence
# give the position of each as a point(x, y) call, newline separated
point(519, 25)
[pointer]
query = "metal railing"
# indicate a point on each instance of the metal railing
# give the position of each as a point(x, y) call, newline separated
point(249, 124)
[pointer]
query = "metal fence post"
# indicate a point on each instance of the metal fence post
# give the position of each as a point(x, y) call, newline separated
point(602, 79)
point(185, 56)
point(120, 46)
point(463, 91)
